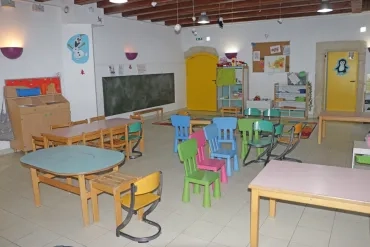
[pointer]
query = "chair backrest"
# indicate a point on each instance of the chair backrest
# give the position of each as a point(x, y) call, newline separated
point(211, 133)
point(201, 141)
point(93, 119)
point(39, 142)
point(187, 152)
point(120, 130)
point(85, 121)
point(60, 141)
point(92, 136)
point(137, 117)
point(181, 124)
point(226, 127)
point(148, 183)
point(59, 126)
point(279, 129)
point(265, 126)
point(245, 125)
point(298, 128)
point(276, 113)
point(134, 127)
point(252, 112)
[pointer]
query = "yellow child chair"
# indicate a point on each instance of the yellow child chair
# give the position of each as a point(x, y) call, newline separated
point(144, 192)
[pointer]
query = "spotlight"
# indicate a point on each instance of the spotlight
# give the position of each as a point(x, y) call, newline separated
point(154, 3)
point(220, 22)
point(280, 21)
point(194, 32)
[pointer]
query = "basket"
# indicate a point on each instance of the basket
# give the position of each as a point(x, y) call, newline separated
point(362, 159)
point(300, 99)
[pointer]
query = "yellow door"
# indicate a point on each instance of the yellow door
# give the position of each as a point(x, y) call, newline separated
point(201, 91)
point(341, 84)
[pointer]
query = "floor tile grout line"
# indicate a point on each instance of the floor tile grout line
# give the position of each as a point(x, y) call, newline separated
point(290, 240)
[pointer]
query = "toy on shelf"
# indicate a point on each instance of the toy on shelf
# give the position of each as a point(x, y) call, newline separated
point(257, 98)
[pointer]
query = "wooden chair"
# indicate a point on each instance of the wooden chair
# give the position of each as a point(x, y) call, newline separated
point(115, 142)
point(39, 142)
point(94, 119)
point(93, 139)
point(61, 141)
point(85, 121)
point(58, 126)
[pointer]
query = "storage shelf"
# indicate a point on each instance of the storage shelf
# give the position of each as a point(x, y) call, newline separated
point(289, 93)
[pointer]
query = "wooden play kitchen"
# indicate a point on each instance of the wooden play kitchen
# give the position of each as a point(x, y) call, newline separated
point(310, 184)
point(33, 115)
point(353, 117)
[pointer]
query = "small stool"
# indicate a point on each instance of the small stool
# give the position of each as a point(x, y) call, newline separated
point(233, 110)
point(113, 183)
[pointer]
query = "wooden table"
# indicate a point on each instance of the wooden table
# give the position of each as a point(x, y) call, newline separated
point(198, 123)
point(326, 186)
point(75, 161)
point(354, 117)
point(77, 130)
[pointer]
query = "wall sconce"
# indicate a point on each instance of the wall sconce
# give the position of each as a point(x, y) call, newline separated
point(131, 55)
point(368, 49)
point(231, 55)
point(12, 52)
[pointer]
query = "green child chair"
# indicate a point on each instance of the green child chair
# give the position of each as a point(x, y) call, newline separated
point(187, 152)
point(245, 126)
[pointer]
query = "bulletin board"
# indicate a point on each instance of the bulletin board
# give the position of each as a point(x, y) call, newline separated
point(271, 57)
point(43, 83)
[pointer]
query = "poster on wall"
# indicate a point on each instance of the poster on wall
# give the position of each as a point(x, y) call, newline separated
point(79, 47)
point(274, 64)
point(141, 69)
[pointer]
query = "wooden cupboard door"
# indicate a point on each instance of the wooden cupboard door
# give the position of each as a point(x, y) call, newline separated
point(32, 124)
point(62, 116)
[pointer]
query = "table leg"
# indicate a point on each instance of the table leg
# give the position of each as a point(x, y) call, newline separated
point(353, 159)
point(116, 168)
point(320, 131)
point(254, 231)
point(127, 144)
point(117, 207)
point(35, 186)
point(323, 128)
point(142, 140)
point(94, 201)
point(272, 208)
point(83, 197)
point(140, 213)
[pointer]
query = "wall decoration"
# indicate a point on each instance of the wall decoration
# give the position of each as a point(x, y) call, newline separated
point(275, 49)
point(82, 72)
point(120, 69)
point(270, 49)
point(342, 67)
point(79, 47)
point(112, 70)
point(274, 64)
point(141, 69)
point(256, 56)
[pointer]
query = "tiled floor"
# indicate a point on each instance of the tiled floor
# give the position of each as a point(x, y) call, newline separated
point(58, 221)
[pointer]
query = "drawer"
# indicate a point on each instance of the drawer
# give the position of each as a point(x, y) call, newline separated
point(297, 114)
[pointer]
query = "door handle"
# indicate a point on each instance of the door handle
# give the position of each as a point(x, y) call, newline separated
point(352, 81)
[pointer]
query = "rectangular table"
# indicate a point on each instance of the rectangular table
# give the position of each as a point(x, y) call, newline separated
point(319, 185)
point(77, 130)
point(354, 117)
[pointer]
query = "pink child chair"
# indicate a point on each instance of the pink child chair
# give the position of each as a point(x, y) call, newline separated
point(205, 163)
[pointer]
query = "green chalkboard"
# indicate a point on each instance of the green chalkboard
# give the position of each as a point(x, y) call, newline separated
point(135, 92)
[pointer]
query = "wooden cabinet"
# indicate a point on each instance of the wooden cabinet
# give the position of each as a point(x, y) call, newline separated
point(34, 115)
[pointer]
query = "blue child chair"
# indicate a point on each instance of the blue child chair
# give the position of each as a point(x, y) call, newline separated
point(211, 133)
point(226, 128)
point(182, 125)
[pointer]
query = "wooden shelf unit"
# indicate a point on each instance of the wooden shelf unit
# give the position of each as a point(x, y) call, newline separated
point(288, 105)
point(34, 115)
point(237, 94)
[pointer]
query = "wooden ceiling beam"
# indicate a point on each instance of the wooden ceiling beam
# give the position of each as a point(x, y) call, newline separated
point(131, 4)
point(215, 7)
point(287, 16)
point(257, 14)
point(226, 9)
point(356, 6)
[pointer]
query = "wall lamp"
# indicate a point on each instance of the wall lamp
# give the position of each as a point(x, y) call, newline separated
point(131, 55)
point(231, 55)
point(12, 52)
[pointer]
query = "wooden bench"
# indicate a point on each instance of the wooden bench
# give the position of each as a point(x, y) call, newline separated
point(230, 110)
point(158, 110)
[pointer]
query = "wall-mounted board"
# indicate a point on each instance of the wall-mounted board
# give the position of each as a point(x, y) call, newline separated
point(271, 57)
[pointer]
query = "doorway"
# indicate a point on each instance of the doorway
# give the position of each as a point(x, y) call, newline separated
point(341, 81)
point(201, 91)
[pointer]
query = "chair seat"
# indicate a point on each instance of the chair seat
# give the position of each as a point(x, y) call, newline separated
point(211, 164)
point(286, 140)
point(140, 200)
point(203, 177)
point(224, 153)
point(263, 142)
point(116, 143)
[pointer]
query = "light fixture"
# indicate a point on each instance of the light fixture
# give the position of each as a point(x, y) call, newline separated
point(118, 1)
point(363, 29)
point(325, 7)
point(208, 38)
point(154, 3)
point(351, 55)
point(203, 18)
point(231, 55)
point(131, 55)
point(177, 26)
point(12, 52)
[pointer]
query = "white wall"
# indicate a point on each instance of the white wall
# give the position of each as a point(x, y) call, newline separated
point(158, 47)
point(303, 34)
